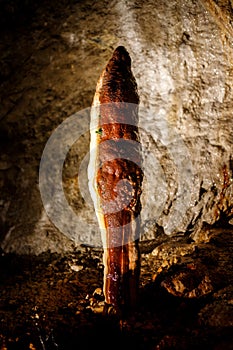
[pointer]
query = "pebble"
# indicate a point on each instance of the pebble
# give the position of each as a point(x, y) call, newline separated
point(76, 268)
point(98, 293)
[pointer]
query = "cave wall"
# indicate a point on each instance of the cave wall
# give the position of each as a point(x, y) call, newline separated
point(181, 55)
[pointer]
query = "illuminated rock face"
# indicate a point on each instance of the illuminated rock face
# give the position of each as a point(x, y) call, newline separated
point(181, 55)
point(183, 81)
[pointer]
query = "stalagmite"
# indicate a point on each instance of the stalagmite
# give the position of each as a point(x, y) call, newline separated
point(115, 179)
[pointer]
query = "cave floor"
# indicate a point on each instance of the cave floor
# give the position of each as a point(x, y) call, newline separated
point(55, 301)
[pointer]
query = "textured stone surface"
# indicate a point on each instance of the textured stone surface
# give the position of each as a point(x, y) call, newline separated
point(56, 301)
point(182, 60)
point(51, 55)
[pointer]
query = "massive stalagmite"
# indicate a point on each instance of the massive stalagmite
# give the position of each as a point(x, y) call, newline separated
point(115, 178)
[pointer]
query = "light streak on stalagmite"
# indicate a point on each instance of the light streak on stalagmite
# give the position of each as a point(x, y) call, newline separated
point(115, 179)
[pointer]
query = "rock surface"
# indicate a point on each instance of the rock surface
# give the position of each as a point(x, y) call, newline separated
point(51, 58)
point(55, 301)
point(51, 55)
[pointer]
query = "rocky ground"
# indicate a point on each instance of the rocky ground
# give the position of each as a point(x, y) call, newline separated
point(55, 301)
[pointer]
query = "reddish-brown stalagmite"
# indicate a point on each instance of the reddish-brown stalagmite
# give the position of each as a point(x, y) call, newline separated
point(115, 179)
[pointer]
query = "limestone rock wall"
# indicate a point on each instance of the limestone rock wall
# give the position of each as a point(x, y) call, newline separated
point(181, 54)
